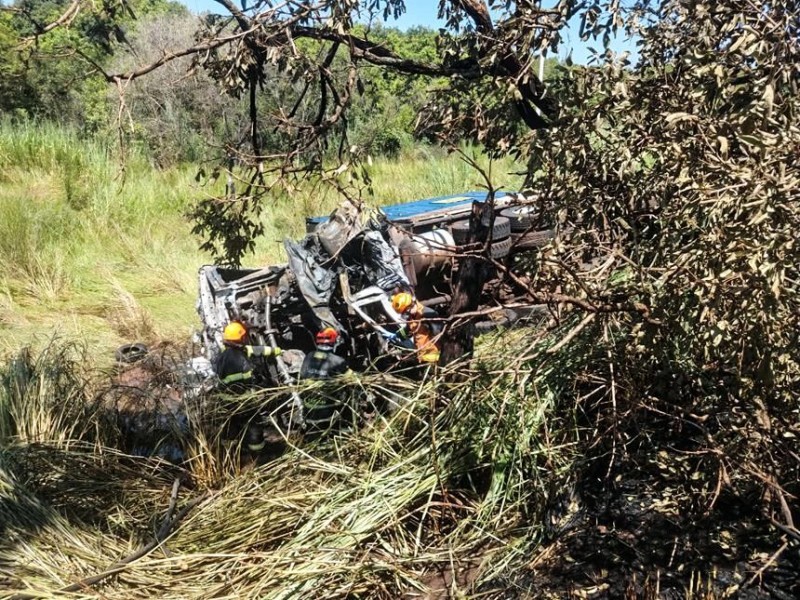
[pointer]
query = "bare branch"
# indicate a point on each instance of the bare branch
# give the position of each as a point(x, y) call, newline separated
point(170, 56)
point(377, 54)
point(65, 19)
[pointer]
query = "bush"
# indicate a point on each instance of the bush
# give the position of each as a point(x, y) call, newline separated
point(690, 176)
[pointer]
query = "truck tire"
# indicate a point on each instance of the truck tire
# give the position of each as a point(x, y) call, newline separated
point(500, 230)
point(521, 217)
point(534, 239)
point(501, 248)
point(131, 353)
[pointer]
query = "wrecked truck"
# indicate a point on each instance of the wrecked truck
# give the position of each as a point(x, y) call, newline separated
point(343, 273)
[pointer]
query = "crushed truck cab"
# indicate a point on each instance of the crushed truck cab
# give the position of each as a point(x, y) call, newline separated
point(343, 272)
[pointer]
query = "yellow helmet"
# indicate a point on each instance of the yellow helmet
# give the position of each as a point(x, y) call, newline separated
point(402, 302)
point(234, 332)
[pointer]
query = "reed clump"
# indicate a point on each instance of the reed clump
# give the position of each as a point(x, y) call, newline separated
point(435, 483)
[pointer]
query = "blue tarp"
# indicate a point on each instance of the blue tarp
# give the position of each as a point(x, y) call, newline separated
point(406, 210)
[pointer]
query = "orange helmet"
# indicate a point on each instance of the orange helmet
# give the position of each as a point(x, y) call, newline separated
point(402, 302)
point(234, 332)
point(327, 337)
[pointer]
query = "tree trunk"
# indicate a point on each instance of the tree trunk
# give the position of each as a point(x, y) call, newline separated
point(458, 338)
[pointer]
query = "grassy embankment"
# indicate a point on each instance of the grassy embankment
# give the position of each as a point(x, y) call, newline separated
point(374, 513)
point(383, 512)
point(93, 253)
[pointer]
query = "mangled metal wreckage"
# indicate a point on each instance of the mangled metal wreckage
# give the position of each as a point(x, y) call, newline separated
point(343, 272)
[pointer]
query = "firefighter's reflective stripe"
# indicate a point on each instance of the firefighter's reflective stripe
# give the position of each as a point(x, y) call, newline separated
point(416, 328)
point(265, 351)
point(234, 377)
point(427, 350)
point(429, 355)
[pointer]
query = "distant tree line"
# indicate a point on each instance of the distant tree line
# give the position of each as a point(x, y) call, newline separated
point(179, 112)
point(54, 76)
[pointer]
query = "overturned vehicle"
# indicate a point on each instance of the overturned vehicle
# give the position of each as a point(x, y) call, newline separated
point(343, 273)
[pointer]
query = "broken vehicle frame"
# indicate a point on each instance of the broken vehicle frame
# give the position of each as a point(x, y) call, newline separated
point(342, 274)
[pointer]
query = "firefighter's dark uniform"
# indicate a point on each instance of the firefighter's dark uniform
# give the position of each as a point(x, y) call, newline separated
point(320, 365)
point(238, 375)
point(234, 367)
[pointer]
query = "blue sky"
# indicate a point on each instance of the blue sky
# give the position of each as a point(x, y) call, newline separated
point(423, 12)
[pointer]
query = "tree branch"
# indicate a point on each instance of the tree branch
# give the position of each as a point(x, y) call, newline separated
point(65, 19)
point(170, 56)
point(378, 54)
point(478, 12)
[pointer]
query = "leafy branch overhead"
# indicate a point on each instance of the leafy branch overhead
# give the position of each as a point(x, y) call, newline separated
point(300, 41)
point(679, 180)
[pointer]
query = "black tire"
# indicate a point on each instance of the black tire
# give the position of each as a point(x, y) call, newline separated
point(535, 239)
point(460, 230)
point(521, 217)
point(501, 248)
point(500, 230)
point(131, 353)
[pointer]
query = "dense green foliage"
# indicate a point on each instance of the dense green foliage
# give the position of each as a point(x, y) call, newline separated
point(684, 176)
point(55, 76)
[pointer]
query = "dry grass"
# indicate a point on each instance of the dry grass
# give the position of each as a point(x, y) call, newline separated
point(127, 317)
point(365, 513)
point(481, 484)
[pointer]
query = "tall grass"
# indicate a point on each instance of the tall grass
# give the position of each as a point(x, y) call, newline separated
point(88, 241)
point(427, 171)
point(479, 478)
point(80, 235)
point(45, 397)
point(442, 483)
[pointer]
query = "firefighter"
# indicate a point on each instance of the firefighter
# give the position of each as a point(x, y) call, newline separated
point(236, 371)
point(233, 365)
point(322, 364)
point(418, 327)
